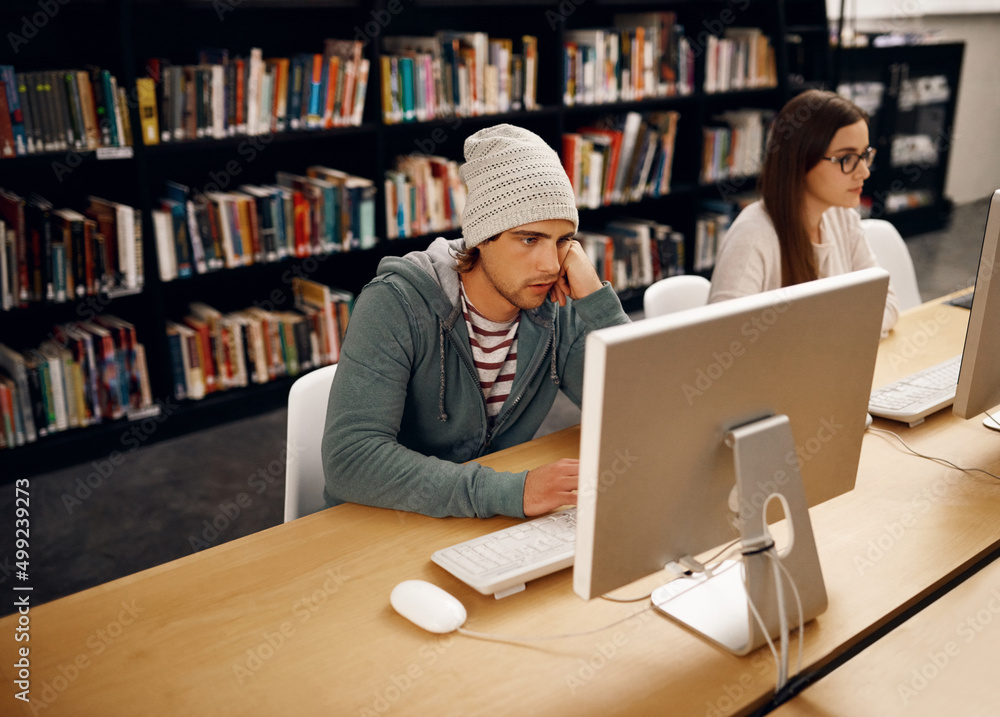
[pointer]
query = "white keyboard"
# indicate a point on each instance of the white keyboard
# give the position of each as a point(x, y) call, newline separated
point(500, 563)
point(918, 395)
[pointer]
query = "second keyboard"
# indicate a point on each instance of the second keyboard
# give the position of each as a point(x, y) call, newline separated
point(914, 397)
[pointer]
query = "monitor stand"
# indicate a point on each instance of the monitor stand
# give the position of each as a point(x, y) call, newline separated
point(716, 605)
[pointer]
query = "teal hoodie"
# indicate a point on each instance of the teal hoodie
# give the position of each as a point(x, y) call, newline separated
point(406, 414)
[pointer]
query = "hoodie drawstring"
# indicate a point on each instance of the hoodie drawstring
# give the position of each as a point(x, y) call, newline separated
point(442, 416)
point(553, 373)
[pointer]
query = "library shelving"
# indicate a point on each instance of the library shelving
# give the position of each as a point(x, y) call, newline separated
point(910, 91)
point(130, 37)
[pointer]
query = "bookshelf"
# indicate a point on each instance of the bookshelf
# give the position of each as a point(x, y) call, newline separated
point(177, 29)
point(910, 92)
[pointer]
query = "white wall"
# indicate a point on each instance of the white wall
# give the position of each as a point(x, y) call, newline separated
point(909, 8)
point(974, 166)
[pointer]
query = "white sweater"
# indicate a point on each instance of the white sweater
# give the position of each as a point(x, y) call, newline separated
point(749, 257)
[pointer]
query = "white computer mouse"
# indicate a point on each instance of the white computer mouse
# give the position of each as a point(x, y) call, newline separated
point(428, 606)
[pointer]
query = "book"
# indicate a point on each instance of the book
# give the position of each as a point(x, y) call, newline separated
point(221, 213)
point(39, 233)
point(128, 242)
point(73, 225)
point(8, 436)
point(81, 345)
point(8, 269)
point(12, 214)
point(184, 261)
point(32, 132)
point(13, 362)
point(191, 360)
point(203, 344)
point(125, 341)
point(15, 111)
point(361, 91)
point(7, 141)
point(163, 234)
point(148, 115)
point(178, 371)
point(76, 133)
point(107, 365)
point(179, 202)
point(311, 294)
point(54, 356)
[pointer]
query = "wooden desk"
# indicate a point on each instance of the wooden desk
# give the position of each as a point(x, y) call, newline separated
point(296, 619)
point(940, 661)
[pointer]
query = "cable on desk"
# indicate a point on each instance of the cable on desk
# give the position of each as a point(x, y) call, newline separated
point(942, 461)
point(527, 638)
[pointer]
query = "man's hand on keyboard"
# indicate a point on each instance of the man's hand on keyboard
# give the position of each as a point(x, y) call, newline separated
point(551, 486)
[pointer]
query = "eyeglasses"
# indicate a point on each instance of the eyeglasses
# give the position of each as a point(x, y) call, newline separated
point(849, 162)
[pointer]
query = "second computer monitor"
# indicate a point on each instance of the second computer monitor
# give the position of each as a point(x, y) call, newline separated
point(979, 379)
point(660, 396)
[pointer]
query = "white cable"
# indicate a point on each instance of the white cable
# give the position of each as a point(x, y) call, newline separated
point(782, 618)
point(798, 605)
point(942, 461)
point(763, 629)
point(525, 638)
point(519, 638)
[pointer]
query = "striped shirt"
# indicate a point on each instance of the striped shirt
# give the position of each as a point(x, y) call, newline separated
point(494, 350)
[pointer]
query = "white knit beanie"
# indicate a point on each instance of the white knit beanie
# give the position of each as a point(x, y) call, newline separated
point(513, 178)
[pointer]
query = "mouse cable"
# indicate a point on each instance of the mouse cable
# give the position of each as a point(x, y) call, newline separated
point(942, 461)
point(527, 638)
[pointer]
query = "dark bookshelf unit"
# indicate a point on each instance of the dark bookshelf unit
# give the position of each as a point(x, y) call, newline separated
point(121, 35)
point(910, 92)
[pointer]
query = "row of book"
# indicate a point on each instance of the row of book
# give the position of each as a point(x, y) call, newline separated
point(742, 59)
point(423, 194)
point(633, 253)
point(645, 55)
point(459, 74)
point(622, 158)
point(322, 212)
point(214, 351)
point(222, 96)
point(735, 146)
point(61, 110)
point(60, 255)
point(85, 373)
point(714, 218)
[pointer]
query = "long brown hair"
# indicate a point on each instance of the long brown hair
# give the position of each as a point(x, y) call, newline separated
point(799, 138)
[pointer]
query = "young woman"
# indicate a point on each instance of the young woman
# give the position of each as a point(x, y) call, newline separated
point(804, 227)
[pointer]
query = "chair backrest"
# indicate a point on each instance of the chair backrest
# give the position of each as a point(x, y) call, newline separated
point(307, 401)
point(892, 254)
point(675, 293)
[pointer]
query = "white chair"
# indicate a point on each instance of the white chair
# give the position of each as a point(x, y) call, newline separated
point(675, 293)
point(892, 254)
point(307, 401)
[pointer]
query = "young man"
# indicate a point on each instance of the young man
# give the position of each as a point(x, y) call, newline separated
point(458, 351)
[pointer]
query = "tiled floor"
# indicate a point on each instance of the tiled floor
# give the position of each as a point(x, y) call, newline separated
point(172, 498)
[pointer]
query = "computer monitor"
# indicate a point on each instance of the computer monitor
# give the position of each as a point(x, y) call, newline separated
point(662, 397)
point(979, 378)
